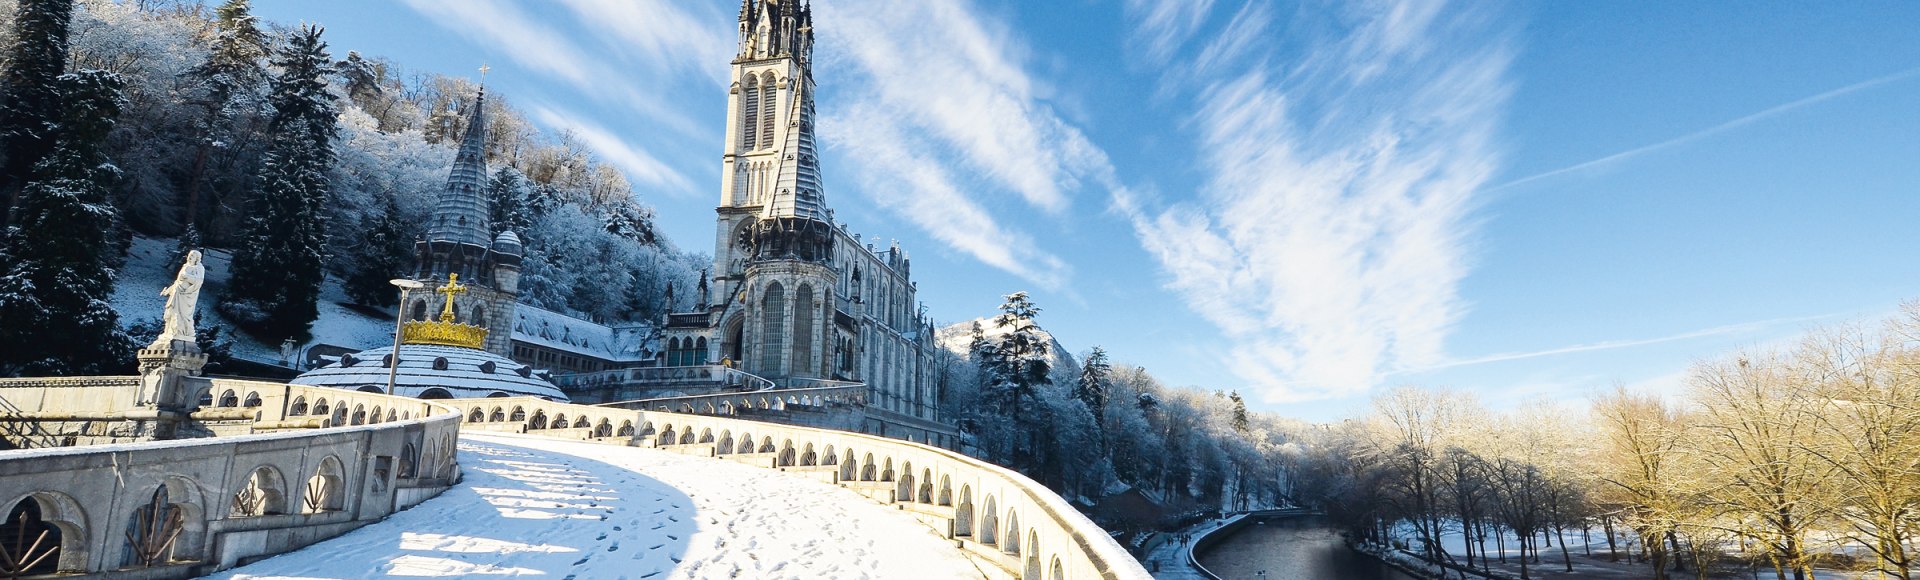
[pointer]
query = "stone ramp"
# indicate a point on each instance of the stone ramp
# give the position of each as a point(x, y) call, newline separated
point(533, 505)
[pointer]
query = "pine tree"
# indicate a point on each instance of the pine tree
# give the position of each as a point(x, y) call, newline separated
point(1095, 375)
point(360, 78)
point(1019, 363)
point(383, 255)
point(277, 268)
point(509, 207)
point(1239, 413)
point(54, 295)
point(226, 84)
point(30, 101)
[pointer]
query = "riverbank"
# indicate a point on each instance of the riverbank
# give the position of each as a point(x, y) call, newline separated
point(1172, 558)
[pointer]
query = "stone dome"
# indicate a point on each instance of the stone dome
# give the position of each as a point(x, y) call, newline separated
point(434, 372)
point(507, 243)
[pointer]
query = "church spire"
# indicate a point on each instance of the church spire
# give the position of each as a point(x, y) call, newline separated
point(461, 214)
point(774, 29)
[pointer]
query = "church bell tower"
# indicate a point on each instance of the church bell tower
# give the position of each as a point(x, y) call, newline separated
point(773, 239)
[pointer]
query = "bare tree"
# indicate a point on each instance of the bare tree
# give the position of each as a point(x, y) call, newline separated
point(1868, 418)
point(1755, 421)
point(1639, 446)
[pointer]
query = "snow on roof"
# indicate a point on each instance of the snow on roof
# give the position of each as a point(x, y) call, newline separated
point(469, 373)
point(568, 334)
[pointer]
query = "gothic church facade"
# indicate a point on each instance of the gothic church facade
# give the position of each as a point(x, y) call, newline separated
point(794, 296)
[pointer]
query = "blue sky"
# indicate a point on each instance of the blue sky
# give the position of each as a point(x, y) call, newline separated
point(1301, 201)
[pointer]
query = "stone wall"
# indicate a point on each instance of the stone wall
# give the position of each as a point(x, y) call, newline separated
point(187, 507)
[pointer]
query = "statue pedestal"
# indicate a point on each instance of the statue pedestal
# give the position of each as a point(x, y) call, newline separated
point(164, 366)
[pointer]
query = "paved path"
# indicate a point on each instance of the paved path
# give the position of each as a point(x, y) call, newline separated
point(1174, 556)
point(568, 509)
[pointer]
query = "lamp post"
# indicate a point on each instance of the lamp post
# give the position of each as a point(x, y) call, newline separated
point(400, 316)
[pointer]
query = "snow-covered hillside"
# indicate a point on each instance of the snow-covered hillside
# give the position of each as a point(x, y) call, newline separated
point(956, 337)
point(568, 509)
point(136, 296)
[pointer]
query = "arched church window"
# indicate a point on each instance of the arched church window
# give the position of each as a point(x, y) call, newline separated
point(773, 334)
point(769, 101)
point(479, 316)
point(750, 105)
point(420, 310)
point(803, 330)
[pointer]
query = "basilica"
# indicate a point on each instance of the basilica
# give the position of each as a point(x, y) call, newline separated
point(794, 301)
point(795, 297)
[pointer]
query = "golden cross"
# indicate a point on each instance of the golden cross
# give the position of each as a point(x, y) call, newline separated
point(483, 73)
point(452, 288)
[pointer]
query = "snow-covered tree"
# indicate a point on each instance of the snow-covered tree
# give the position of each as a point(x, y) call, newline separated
point(225, 88)
point(509, 206)
point(277, 269)
point(54, 294)
point(1019, 361)
point(381, 256)
point(1239, 413)
point(1091, 389)
point(30, 102)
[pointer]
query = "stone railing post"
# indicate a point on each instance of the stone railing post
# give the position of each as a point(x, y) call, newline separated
point(164, 390)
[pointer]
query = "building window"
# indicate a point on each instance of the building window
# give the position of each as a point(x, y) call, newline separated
point(769, 101)
point(750, 103)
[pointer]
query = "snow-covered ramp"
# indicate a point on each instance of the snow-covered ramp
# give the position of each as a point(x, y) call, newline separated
point(566, 509)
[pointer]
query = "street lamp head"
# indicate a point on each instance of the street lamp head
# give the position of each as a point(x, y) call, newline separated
point(407, 284)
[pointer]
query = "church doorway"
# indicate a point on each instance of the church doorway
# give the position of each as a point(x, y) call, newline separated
point(735, 335)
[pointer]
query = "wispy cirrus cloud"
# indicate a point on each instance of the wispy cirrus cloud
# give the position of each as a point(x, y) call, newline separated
point(1723, 330)
point(638, 165)
point(1160, 27)
point(1714, 130)
point(1333, 229)
point(950, 113)
point(662, 36)
point(543, 49)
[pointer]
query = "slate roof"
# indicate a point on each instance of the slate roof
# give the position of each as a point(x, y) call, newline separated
point(468, 373)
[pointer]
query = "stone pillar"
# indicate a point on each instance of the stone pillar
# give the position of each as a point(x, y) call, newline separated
point(164, 368)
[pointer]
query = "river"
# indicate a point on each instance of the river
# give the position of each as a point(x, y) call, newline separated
point(1292, 549)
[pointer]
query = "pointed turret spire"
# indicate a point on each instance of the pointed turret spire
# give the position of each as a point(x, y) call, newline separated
point(461, 215)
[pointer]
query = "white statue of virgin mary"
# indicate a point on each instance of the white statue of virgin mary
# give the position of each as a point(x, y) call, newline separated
point(182, 296)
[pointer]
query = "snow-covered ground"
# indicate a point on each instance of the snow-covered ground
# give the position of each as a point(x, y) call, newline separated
point(568, 509)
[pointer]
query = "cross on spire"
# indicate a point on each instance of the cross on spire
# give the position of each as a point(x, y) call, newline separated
point(483, 73)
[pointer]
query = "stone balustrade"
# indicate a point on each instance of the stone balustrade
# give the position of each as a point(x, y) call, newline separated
point(295, 471)
point(732, 403)
point(999, 517)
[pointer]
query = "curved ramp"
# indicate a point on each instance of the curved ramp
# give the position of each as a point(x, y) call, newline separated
point(568, 509)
